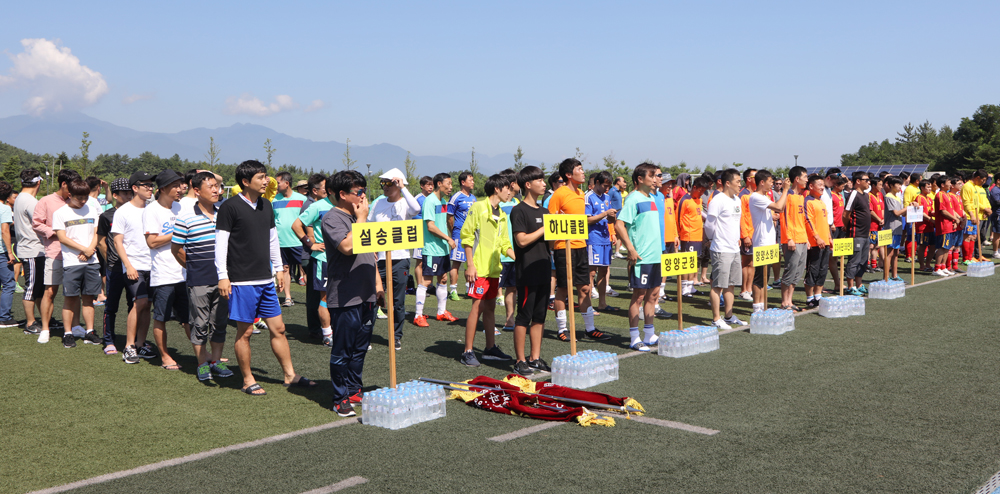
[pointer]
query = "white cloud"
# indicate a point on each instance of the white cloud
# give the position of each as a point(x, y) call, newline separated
point(315, 105)
point(132, 98)
point(247, 104)
point(54, 78)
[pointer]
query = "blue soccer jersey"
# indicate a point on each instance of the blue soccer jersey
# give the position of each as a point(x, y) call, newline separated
point(594, 205)
point(458, 207)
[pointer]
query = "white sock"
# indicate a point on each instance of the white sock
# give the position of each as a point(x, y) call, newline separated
point(442, 295)
point(687, 286)
point(588, 319)
point(809, 298)
point(421, 297)
point(757, 307)
point(648, 332)
point(328, 331)
point(453, 288)
point(90, 330)
point(561, 320)
point(818, 297)
point(633, 334)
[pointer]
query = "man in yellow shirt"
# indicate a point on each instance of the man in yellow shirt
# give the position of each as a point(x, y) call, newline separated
point(976, 208)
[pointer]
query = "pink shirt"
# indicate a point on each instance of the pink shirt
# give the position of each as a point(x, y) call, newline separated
point(41, 221)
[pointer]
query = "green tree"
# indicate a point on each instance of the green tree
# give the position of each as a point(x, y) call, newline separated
point(12, 171)
point(349, 164)
point(83, 165)
point(979, 137)
point(213, 153)
point(410, 168)
point(270, 152)
point(518, 164)
point(474, 165)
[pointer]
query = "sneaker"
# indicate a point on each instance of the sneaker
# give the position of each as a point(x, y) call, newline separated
point(288, 303)
point(693, 293)
point(593, 293)
point(454, 295)
point(34, 328)
point(204, 372)
point(895, 278)
point(662, 313)
point(18, 288)
point(302, 280)
point(469, 359)
point(942, 273)
point(996, 255)
point(43, 336)
point(69, 341)
point(147, 352)
point(563, 336)
point(500, 302)
point(610, 292)
point(420, 322)
point(746, 296)
point(381, 315)
point(655, 340)
point(967, 262)
point(9, 323)
point(735, 322)
point(53, 324)
point(398, 346)
point(220, 369)
point(854, 292)
point(355, 398)
point(597, 335)
point(812, 304)
point(129, 355)
point(496, 331)
point(639, 346)
point(328, 341)
point(521, 367)
point(494, 353)
point(258, 326)
point(344, 408)
point(91, 338)
point(552, 304)
point(721, 324)
point(539, 365)
point(863, 289)
point(446, 316)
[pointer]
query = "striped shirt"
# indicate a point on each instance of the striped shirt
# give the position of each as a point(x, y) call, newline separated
point(195, 233)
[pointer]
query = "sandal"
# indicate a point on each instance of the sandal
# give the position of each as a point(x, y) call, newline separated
point(608, 308)
point(171, 367)
point(302, 382)
point(110, 350)
point(252, 390)
point(792, 308)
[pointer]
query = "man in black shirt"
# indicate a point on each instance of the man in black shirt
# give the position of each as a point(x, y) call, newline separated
point(246, 222)
point(531, 269)
point(857, 221)
point(122, 193)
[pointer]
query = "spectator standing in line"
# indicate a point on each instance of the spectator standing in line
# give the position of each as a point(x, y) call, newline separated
point(600, 214)
point(895, 213)
point(993, 195)
point(41, 221)
point(794, 239)
point(531, 266)
point(857, 221)
point(820, 242)
point(458, 209)
point(114, 273)
point(723, 226)
point(166, 281)
point(246, 256)
point(690, 222)
point(75, 226)
point(615, 200)
point(7, 280)
point(762, 211)
point(287, 205)
point(426, 189)
point(307, 226)
point(316, 192)
point(746, 232)
point(130, 244)
point(508, 284)
point(437, 244)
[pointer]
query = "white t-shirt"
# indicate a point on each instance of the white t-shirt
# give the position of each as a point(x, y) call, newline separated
point(128, 222)
point(187, 202)
point(80, 225)
point(723, 223)
point(763, 222)
point(383, 210)
point(164, 269)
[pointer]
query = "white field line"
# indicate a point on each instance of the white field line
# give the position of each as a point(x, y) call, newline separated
point(343, 484)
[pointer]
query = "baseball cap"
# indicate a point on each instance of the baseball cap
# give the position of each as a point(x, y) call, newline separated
point(139, 176)
point(166, 177)
point(393, 174)
point(667, 177)
point(120, 185)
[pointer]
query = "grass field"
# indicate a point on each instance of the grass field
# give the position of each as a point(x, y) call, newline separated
point(902, 399)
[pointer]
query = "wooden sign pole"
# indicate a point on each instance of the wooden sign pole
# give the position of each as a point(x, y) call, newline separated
point(570, 313)
point(913, 254)
point(979, 238)
point(884, 251)
point(389, 312)
point(841, 276)
point(680, 310)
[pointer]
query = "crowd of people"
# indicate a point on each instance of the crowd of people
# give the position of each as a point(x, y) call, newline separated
point(178, 251)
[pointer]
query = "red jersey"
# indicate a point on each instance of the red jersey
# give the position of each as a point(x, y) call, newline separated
point(838, 209)
point(943, 202)
point(928, 205)
point(877, 204)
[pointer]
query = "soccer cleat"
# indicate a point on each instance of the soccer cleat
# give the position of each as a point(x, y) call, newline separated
point(721, 324)
point(552, 304)
point(18, 288)
point(597, 335)
point(854, 292)
point(539, 365)
point(469, 359)
point(204, 372)
point(563, 336)
point(967, 262)
point(735, 322)
point(639, 346)
point(522, 368)
point(258, 325)
point(494, 353)
point(68, 340)
point(500, 302)
point(129, 356)
point(34, 328)
point(91, 338)
point(344, 408)
point(812, 304)
point(420, 322)
point(381, 315)
point(446, 316)
point(220, 369)
point(355, 398)
point(147, 352)
point(454, 295)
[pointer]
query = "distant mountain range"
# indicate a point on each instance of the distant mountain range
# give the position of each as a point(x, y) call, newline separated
point(238, 142)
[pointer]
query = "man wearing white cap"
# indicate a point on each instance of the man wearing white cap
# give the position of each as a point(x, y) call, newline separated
point(397, 205)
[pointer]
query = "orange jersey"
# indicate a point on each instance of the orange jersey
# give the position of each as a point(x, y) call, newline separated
point(816, 224)
point(669, 222)
point(568, 200)
point(793, 220)
point(689, 221)
point(746, 221)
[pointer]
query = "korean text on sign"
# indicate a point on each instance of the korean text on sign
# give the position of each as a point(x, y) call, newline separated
point(884, 238)
point(381, 236)
point(768, 254)
point(679, 263)
point(565, 226)
point(843, 247)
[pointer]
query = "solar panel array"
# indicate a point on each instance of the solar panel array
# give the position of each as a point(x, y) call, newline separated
point(873, 169)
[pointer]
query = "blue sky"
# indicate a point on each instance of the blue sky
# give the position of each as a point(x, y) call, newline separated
point(703, 82)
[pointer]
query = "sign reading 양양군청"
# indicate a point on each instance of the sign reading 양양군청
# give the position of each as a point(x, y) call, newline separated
point(679, 263)
point(565, 226)
point(381, 236)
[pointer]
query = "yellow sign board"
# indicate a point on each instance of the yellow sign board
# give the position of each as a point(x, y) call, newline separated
point(843, 247)
point(679, 263)
point(565, 226)
point(381, 236)
point(768, 254)
point(884, 238)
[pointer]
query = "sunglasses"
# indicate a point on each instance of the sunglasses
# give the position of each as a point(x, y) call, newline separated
point(360, 192)
point(386, 182)
point(658, 175)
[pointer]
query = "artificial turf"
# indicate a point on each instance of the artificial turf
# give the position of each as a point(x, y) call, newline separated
point(902, 399)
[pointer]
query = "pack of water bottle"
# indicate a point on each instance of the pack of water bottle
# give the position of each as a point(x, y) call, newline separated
point(848, 305)
point(689, 341)
point(585, 369)
point(886, 289)
point(980, 269)
point(409, 403)
point(772, 321)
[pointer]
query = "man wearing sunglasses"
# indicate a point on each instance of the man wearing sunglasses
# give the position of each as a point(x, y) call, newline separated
point(130, 243)
point(857, 222)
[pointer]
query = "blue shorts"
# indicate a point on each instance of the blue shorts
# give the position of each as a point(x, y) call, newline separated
point(925, 238)
point(873, 238)
point(945, 241)
point(971, 228)
point(436, 265)
point(291, 255)
point(691, 246)
point(995, 223)
point(644, 276)
point(508, 278)
point(956, 239)
point(248, 302)
point(319, 275)
point(897, 242)
point(599, 255)
point(458, 253)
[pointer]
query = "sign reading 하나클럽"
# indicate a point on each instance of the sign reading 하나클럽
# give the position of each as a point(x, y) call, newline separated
point(565, 226)
point(843, 247)
point(381, 236)
point(768, 254)
point(679, 263)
